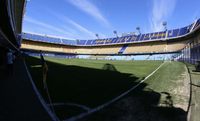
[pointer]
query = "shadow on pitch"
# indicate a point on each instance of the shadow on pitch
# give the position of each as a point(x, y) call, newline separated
point(93, 87)
point(109, 67)
point(141, 105)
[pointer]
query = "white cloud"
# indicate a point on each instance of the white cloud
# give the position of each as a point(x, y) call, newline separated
point(90, 34)
point(49, 27)
point(76, 27)
point(90, 9)
point(81, 28)
point(161, 11)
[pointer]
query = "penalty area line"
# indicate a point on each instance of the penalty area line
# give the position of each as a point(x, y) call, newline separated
point(113, 100)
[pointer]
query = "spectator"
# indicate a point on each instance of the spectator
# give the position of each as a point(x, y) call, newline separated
point(10, 59)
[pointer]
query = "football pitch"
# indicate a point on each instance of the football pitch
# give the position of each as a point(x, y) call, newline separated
point(79, 85)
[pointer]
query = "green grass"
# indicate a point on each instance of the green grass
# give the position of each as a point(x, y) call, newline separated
point(160, 98)
point(138, 68)
point(170, 80)
point(82, 81)
point(166, 76)
point(89, 82)
point(94, 82)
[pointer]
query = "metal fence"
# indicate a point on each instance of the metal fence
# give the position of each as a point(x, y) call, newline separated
point(190, 54)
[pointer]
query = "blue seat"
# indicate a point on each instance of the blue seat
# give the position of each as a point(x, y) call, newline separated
point(154, 35)
point(142, 37)
point(147, 37)
point(173, 33)
point(183, 31)
point(88, 42)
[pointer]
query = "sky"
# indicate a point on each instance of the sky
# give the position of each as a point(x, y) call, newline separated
point(82, 19)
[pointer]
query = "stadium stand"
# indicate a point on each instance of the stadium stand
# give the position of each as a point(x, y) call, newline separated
point(157, 42)
point(45, 47)
point(135, 48)
point(175, 46)
point(163, 35)
point(190, 53)
point(20, 97)
point(69, 49)
point(123, 49)
point(106, 50)
point(146, 48)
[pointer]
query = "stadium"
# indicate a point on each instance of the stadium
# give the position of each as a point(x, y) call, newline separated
point(136, 76)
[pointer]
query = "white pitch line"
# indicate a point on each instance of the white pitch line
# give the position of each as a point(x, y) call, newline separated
point(39, 96)
point(72, 104)
point(111, 101)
